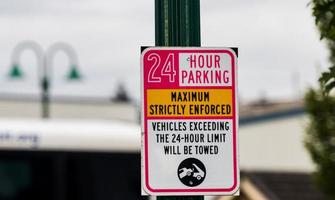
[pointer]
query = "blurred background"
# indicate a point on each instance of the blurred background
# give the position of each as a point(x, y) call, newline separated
point(278, 41)
point(86, 143)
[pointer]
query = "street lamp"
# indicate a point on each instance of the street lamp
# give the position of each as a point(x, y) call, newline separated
point(73, 73)
point(44, 66)
point(16, 72)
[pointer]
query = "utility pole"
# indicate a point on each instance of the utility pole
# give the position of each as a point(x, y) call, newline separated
point(177, 23)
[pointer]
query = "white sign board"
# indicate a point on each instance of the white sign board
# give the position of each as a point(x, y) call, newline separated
point(189, 121)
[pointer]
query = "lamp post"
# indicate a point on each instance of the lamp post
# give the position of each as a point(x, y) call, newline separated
point(15, 71)
point(177, 23)
point(44, 67)
point(73, 73)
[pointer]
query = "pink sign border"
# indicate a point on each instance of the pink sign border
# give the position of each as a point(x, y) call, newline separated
point(231, 53)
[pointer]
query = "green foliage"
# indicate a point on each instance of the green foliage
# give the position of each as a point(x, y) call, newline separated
point(327, 80)
point(323, 11)
point(320, 104)
point(320, 139)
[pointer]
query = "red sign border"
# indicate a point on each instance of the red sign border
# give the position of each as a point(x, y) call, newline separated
point(144, 120)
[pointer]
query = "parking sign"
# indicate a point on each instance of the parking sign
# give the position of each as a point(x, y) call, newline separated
point(189, 121)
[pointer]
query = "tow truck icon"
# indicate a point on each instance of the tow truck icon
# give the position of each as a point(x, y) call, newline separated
point(197, 172)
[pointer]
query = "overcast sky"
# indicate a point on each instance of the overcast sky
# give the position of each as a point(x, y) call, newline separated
point(279, 48)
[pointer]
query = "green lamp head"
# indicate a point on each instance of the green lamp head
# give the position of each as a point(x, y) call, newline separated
point(15, 72)
point(74, 73)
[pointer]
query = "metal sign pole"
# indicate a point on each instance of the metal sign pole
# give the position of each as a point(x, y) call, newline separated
point(177, 23)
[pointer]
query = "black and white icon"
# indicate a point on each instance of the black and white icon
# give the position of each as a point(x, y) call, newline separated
point(191, 172)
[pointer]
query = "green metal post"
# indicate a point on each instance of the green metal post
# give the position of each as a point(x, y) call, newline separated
point(45, 87)
point(180, 198)
point(177, 23)
point(45, 97)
